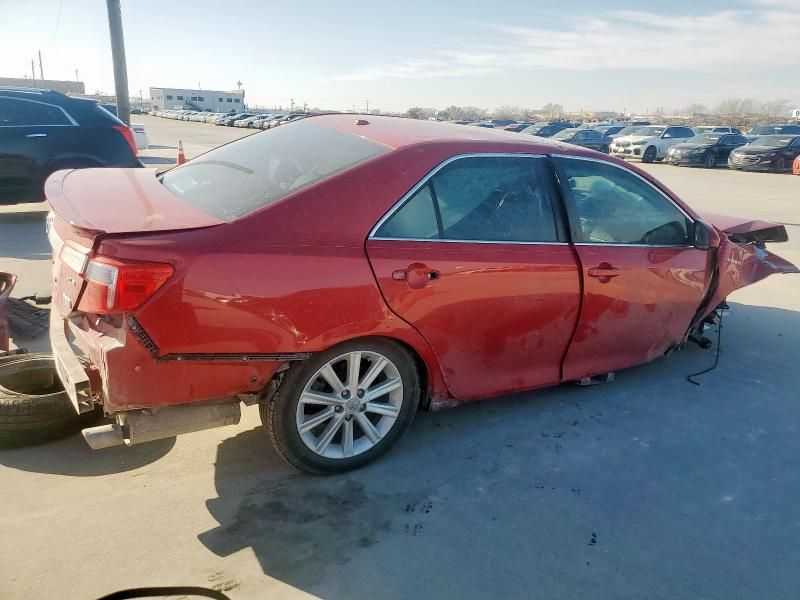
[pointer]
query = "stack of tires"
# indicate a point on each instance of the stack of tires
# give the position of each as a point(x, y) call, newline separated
point(33, 405)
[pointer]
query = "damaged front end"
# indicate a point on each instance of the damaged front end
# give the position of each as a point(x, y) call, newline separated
point(742, 259)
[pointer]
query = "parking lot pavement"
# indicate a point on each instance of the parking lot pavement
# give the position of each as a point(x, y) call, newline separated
point(197, 138)
point(648, 487)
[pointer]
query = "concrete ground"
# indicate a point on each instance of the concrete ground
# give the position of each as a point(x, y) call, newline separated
point(649, 487)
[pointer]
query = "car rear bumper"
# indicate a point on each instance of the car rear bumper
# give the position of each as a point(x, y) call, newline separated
point(115, 365)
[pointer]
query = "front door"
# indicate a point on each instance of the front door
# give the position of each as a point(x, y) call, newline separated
point(477, 260)
point(643, 279)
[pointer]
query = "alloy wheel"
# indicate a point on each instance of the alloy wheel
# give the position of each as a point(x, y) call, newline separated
point(710, 160)
point(350, 404)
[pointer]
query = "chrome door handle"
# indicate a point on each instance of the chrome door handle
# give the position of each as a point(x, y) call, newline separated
point(35, 135)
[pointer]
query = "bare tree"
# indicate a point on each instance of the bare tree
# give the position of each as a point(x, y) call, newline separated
point(552, 111)
point(775, 111)
point(509, 111)
point(417, 112)
point(695, 111)
point(738, 112)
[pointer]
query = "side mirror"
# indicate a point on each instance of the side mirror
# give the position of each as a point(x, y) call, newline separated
point(705, 236)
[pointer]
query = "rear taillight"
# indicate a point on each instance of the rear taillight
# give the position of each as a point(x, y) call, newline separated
point(114, 286)
point(128, 135)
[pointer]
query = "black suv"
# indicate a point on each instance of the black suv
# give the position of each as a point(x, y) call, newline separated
point(43, 131)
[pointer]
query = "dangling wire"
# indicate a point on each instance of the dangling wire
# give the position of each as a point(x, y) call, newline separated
point(690, 378)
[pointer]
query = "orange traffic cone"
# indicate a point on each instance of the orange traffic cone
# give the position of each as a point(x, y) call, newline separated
point(181, 155)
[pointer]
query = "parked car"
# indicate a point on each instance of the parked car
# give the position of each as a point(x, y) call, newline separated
point(264, 121)
point(767, 153)
point(546, 130)
point(588, 138)
point(796, 166)
point(776, 129)
point(247, 122)
point(650, 142)
point(707, 149)
point(140, 135)
point(43, 131)
point(517, 127)
point(626, 279)
point(231, 119)
point(610, 131)
point(715, 129)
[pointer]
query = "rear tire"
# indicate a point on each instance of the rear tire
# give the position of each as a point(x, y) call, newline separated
point(374, 420)
point(33, 406)
point(649, 154)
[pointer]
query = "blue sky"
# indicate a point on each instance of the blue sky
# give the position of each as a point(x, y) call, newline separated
point(632, 55)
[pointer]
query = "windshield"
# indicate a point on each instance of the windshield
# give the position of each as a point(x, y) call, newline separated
point(629, 130)
point(650, 131)
point(774, 141)
point(705, 138)
point(565, 134)
point(246, 175)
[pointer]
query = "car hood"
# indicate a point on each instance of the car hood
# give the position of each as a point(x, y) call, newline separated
point(755, 149)
point(634, 138)
point(743, 228)
point(693, 146)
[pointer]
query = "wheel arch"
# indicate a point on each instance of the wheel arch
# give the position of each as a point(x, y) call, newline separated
point(432, 384)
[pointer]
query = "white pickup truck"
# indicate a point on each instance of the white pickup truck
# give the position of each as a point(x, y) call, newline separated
point(651, 142)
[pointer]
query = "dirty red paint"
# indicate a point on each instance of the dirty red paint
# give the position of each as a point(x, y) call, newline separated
point(301, 276)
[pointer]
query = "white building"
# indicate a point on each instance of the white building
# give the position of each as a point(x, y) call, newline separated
point(212, 100)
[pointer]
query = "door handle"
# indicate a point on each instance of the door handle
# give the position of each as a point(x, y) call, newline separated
point(35, 135)
point(416, 275)
point(604, 272)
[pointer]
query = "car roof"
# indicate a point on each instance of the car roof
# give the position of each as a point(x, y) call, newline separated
point(398, 132)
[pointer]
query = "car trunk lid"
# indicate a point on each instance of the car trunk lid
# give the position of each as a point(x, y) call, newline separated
point(88, 204)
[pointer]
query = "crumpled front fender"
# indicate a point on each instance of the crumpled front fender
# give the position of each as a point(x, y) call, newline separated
point(740, 265)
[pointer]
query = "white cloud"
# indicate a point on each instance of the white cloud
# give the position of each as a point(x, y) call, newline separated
point(734, 42)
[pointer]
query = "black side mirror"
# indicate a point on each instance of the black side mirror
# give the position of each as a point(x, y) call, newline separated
point(705, 236)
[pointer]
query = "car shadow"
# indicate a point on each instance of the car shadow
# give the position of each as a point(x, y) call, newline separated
point(528, 482)
point(72, 456)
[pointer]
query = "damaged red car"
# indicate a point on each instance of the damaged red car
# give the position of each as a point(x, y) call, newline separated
point(343, 272)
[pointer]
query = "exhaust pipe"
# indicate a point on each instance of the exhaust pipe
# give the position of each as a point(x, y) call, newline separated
point(104, 436)
point(147, 425)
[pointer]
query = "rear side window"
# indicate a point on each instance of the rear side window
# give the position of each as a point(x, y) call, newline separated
point(19, 113)
point(494, 199)
point(239, 178)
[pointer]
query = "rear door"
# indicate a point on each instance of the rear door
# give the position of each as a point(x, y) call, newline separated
point(27, 129)
point(476, 258)
point(643, 280)
point(727, 143)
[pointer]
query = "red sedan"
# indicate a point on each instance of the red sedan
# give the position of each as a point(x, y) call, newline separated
point(343, 272)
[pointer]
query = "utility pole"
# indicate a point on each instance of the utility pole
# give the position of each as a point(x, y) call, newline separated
point(118, 56)
point(367, 106)
point(305, 107)
point(291, 106)
point(41, 70)
point(33, 69)
point(76, 75)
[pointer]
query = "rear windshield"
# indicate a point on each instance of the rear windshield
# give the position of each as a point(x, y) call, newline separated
point(239, 178)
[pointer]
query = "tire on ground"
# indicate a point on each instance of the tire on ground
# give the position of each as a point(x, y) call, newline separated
point(650, 154)
point(33, 406)
point(278, 415)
